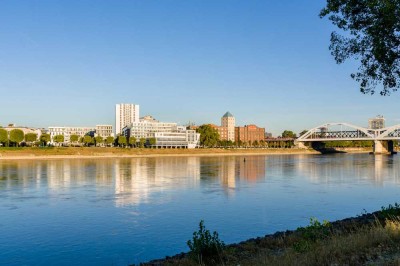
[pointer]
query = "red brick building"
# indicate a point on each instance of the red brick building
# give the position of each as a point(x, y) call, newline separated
point(249, 133)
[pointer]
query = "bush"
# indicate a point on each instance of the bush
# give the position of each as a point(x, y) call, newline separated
point(205, 247)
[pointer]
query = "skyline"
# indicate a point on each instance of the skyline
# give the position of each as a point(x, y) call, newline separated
point(69, 63)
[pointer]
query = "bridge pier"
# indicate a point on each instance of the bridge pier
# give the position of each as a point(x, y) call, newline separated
point(383, 146)
point(300, 145)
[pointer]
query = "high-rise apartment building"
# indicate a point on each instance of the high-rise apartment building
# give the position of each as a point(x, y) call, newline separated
point(228, 122)
point(376, 123)
point(125, 114)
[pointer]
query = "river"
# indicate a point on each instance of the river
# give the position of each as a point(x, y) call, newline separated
point(124, 211)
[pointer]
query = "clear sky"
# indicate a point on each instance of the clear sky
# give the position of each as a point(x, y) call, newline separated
point(67, 63)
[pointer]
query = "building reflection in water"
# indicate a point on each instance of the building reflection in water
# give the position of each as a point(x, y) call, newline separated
point(375, 169)
point(134, 180)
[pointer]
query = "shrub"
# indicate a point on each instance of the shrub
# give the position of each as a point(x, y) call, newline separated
point(204, 246)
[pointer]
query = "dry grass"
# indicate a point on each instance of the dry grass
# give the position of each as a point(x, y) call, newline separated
point(350, 243)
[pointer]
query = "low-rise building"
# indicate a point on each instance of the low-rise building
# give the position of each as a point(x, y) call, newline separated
point(99, 130)
point(167, 135)
point(249, 133)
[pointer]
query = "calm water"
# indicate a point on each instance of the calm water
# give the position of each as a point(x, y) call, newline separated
point(121, 211)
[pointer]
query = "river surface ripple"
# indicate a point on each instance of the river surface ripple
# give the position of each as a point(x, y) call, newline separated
point(124, 211)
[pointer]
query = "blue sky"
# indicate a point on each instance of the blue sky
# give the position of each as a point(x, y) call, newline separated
point(267, 62)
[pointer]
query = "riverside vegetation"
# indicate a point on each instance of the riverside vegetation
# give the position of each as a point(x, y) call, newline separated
point(368, 239)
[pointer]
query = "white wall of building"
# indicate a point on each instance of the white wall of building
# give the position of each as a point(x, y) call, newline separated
point(125, 114)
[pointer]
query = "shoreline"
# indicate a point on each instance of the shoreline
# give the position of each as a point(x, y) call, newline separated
point(315, 244)
point(120, 153)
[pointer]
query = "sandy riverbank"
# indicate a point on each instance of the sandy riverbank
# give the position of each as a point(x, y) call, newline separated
point(97, 152)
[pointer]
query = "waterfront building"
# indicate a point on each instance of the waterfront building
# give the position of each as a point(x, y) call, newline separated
point(167, 135)
point(249, 133)
point(99, 130)
point(104, 131)
point(377, 122)
point(125, 114)
point(228, 125)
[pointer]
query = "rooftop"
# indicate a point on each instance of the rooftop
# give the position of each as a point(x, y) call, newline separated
point(227, 114)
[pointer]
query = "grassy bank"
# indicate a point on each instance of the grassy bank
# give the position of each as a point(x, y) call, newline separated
point(369, 239)
point(62, 152)
point(110, 152)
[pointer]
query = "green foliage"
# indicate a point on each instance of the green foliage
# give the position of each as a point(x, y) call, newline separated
point(58, 139)
point(288, 134)
point(303, 132)
point(74, 138)
point(311, 233)
point(132, 141)
point(121, 141)
point(142, 141)
point(3, 136)
point(87, 140)
point(31, 137)
point(44, 139)
point(390, 211)
point(209, 136)
point(152, 141)
point(109, 140)
point(98, 140)
point(204, 246)
point(372, 36)
point(16, 136)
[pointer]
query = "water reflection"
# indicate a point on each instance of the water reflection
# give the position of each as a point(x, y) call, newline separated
point(134, 180)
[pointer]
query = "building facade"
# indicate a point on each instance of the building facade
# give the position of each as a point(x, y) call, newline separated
point(376, 123)
point(125, 114)
point(104, 131)
point(167, 135)
point(249, 133)
point(99, 130)
point(228, 123)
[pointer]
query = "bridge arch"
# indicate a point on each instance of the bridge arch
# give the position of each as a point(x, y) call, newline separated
point(392, 133)
point(321, 133)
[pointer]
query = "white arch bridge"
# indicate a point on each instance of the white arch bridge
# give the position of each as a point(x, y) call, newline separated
point(383, 138)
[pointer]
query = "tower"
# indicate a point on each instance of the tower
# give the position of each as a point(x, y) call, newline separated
point(125, 114)
point(228, 121)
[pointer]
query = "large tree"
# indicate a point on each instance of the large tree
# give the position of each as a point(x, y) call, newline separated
point(58, 139)
point(30, 138)
point(372, 35)
point(288, 134)
point(209, 136)
point(16, 136)
point(121, 141)
point(109, 140)
point(132, 141)
point(74, 138)
point(3, 136)
point(44, 139)
point(87, 139)
point(98, 140)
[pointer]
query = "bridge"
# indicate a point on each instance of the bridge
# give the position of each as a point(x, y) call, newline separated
point(382, 138)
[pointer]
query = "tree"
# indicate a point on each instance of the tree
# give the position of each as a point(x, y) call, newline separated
point(44, 139)
point(98, 140)
point(74, 138)
point(142, 141)
point(303, 132)
point(109, 140)
point(87, 140)
point(152, 141)
point(288, 134)
point(16, 136)
point(209, 136)
point(121, 141)
point(30, 137)
point(58, 139)
point(132, 141)
point(3, 136)
point(372, 35)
